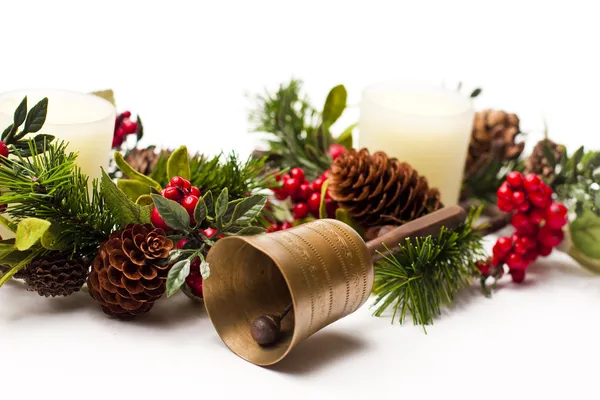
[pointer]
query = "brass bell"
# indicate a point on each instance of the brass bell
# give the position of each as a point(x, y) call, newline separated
point(323, 269)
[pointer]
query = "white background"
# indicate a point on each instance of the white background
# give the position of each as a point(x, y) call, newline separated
point(186, 66)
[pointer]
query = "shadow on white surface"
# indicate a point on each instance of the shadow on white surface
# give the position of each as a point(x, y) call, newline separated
point(320, 351)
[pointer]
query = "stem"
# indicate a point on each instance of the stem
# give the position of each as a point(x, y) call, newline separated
point(495, 224)
point(16, 268)
point(285, 311)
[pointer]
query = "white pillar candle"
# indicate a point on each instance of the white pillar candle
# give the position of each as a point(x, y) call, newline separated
point(84, 121)
point(428, 127)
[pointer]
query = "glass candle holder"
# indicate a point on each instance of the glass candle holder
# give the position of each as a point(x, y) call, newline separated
point(426, 126)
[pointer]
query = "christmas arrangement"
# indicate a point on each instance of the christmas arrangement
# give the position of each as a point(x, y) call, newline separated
point(143, 231)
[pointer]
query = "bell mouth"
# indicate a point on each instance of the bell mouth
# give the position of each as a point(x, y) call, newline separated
point(244, 284)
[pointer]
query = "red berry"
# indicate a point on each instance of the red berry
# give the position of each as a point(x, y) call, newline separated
point(536, 216)
point(544, 250)
point(182, 243)
point(540, 200)
point(189, 203)
point(318, 184)
point(531, 182)
point(325, 175)
point(505, 192)
point(277, 177)
point(330, 207)
point(129, 126)
point(194, 191)
point(550, 237)
point(336, 150)
point(280, 193)
point(273, 228)
point(157, 220)
point(3, 207)
point(517, 275)
point(304, 192)
point(300, 210)
point(4, 149)
point(504, 244)
point(556, 222)
point(291, 185)
point(172, 193)
point(556, 216)
point(497, 260)
point(194, 282)
point(505, 205)
point(209, 232)
point(518, 197)
point(528, 230)
point(314, 202)
point(177, 181)
point(515, 261)
point(531, 255)
point(557, 209)
point(187, 185)
point(524, 206)
point(546, 190)
point(126, 114)
point(524, 244)
point(484, 268)
point(520, 220)
point(286, 225)
point(195, 265)
point(515, 179)
point(297, 173)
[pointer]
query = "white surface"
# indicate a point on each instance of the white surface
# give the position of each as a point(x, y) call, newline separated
point(184, 66)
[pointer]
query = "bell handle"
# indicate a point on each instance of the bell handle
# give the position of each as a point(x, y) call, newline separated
point(431, 224)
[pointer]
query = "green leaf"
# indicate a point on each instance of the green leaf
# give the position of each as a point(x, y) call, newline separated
point(6, 248)
point(208, 200)
point(549, 154)
point(179, 164)
point(18, 260)
point(221, 204)
point(298, 222)
point(200, 212)
point(51, 238)
point(345, 138)
point(145, 200)
point(36, 117)
point(11, 226)
point(322, 208)
point(29, 232)
point(251, 230)
point(176, 277)
point(133, 189)
point(140, 129)
point(335, 104)
point(20, 113)
point(173, 213)
point(585, 233)
point(475, 93)
point(576, 159)
point(204, 270)
point(585, 261)
point(248, 209)
point(133, 174)
point(122, 207)
point(6, 132)
point(343, 216)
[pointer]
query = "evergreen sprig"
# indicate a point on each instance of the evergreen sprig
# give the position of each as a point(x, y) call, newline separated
point(483, 184)
point(49, 186)
point(424, 274)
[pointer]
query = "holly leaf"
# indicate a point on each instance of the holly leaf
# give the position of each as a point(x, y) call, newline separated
point(29, 232)
point(179, 164)
point(51, 238)
point(35, 118)
point(6, 132)
point(145, 200)
point(345, 217)
point(208, 200)
point(248, 209)
point(204, 269)
point(222, 203)
point(335, 104)
point(345, 138)
point(322, 207)
point(173, 213)
point(250, 230)
point(133, 189)
point(200, 212)
point(585, 234)
point(133, 174)
point(139, 134)
point(121, 206)
point(7, 247)
point(475, 93)
point(575, 160)
point(20, 113)
point(176, 277)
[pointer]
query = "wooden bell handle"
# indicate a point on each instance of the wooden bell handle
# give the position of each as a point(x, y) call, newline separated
point(431, 224)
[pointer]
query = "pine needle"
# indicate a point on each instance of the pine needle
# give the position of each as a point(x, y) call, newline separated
point(424, 274)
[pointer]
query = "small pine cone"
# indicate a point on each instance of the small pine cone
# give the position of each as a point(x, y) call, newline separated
point(493, 137)
point(539, 164)
point(145, 160)
point(376, 189)
point(130, 270)
point(55, 275)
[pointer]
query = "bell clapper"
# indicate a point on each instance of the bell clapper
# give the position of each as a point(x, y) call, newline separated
point(266, 329)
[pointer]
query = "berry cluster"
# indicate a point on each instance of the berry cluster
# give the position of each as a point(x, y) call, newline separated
point(194, 279)
point(181, 191)
point(538, 223)
point(305, 197)
point(124, 126)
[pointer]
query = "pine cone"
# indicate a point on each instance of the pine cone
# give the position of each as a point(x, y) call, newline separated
point(145, 160)
point(493, 138)
point(129, 272)
point(376, 189)
point(538, 163)
point(55, 275)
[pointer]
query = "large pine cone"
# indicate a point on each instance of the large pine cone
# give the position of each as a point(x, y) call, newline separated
point(145, 160)
point(55, 275)
point(376, 189)
point(129, 272)
point(539, 164)
point(493, 137)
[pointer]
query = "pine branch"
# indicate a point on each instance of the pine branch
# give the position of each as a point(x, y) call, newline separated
point(482, 185)
point(424, 274)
